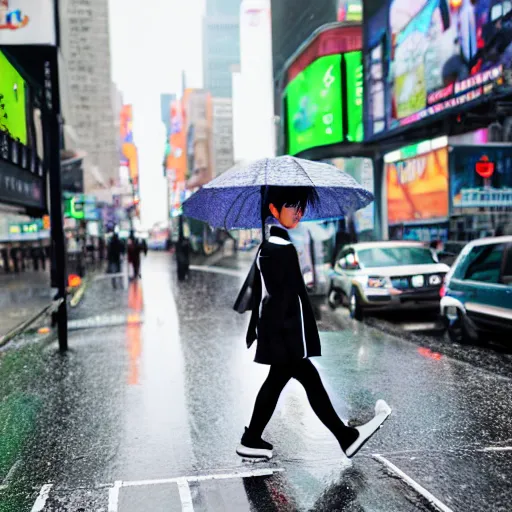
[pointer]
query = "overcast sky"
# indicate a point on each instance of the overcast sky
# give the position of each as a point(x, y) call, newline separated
point(151, 43)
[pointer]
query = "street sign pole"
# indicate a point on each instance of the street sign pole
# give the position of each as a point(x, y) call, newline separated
point(53, 128)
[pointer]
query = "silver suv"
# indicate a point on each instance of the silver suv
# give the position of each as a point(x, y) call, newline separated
point(386, 276)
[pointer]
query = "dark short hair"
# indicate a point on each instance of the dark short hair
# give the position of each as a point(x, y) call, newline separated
point(300, 197)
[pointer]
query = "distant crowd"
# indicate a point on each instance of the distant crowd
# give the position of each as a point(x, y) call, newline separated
point(16, 258)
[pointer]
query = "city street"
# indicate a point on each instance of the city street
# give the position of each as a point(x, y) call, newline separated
point(145, 411)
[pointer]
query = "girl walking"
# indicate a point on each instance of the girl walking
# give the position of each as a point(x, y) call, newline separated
point(283, 323)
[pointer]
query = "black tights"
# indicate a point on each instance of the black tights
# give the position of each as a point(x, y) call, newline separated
point(307, 374)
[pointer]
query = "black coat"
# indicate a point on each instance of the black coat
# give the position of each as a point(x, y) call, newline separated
point(282, 319)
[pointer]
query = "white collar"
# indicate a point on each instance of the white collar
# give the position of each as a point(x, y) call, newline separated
point(278, 240)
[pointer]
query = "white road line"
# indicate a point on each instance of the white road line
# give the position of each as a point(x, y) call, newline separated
point(113, 496)
point(185, 496)
point(7, 480)
point(217, 270)
point(438, 505)
point(497, 449)
point(42, 498)
point(201, 478)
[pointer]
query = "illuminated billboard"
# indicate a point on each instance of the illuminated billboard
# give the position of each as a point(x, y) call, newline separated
point(417, 188)
point(13, 114)
point(428, 56)
point(350, 10)
point(480, 177)
point(354, 91)
point(314, 105)
point(129, 155)
point(27, 22)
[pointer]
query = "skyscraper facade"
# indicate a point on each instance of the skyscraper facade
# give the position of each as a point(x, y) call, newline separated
point(85, 47)
point(221, 45)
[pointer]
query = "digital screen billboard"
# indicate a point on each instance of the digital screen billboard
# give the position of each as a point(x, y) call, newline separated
point(471, 188)
point(314, 110)
point(13, 116)
point(429, 56)
point(350, 10)
point(417, 188)
point(354, 82)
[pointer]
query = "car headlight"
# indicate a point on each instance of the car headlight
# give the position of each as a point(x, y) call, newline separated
point(379, 282)
point(435, 280)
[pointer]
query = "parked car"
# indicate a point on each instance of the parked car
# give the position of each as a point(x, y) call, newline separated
point(477, 295)
point(380, 276)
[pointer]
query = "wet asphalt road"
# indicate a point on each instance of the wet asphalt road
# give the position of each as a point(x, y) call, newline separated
point(145, 414)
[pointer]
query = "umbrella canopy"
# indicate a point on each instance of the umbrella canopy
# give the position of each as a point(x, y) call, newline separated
point(233, 200)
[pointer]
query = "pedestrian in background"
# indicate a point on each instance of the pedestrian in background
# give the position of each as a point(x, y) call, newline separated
point(284, 325)
point(114, 251)
point(42, 255)
point(34, 253)
point(134, 250)
point(5, 258)
point(13, 253)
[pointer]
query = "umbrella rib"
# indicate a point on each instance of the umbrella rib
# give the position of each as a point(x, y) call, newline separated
point(242, 205)
point(303, 171)
point(229, 211)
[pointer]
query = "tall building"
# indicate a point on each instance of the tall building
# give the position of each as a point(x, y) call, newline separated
point(221, 45)
point(256, 79)
point(85, 47)
point(222, 135)
point(293, 21)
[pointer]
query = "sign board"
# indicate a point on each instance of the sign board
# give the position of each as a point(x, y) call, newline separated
point(484, 167)
point(81, 207)
point(20, 187)
point(417, 188)
point(27, 22)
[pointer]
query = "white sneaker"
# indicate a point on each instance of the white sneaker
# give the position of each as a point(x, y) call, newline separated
point(366, 431)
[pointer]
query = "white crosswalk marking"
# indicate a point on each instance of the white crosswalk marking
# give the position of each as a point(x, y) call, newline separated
point(185, 496)
point(113, 497)
point(119, 496)
point(42, 498)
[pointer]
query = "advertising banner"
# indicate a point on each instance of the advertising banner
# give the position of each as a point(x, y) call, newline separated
point(436, 55)
point(13, 114)
point(129, 155)
point(354, 85)
point(480, 177)
point(417, 188)
point(27, 22)
point(350, 10)
point(314, 109)
point(176, 164)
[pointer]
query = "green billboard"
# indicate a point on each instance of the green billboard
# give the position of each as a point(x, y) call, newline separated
point(354, 84)
point(13, 116)
point(314, 107)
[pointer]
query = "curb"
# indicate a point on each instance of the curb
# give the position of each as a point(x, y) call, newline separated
point(77, 297)
point(21, 328)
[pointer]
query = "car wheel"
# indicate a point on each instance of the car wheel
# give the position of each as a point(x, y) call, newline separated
point(356, 311)
point(334, 298)
point(457, 331)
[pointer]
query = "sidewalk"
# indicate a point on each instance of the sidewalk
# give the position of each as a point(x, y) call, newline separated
point(22, 296)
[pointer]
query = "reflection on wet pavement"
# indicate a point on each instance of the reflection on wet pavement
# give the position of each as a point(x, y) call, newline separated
point(147, 415)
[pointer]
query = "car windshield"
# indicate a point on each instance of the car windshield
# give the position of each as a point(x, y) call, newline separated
point(394, 256)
